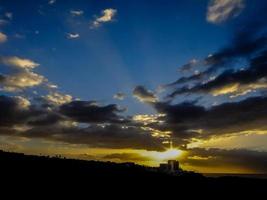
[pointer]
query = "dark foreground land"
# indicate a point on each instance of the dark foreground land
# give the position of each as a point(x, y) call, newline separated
point(18, 169)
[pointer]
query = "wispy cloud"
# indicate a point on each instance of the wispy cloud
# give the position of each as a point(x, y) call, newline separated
point(76, 12)
point(51, 2)
point(3, 22)
point(9, 15)
point(107, 16)
point(119, 96)
point(3, 37)
point(19, 36)
point(221, 10)
point(73, 35)
point(18, 62)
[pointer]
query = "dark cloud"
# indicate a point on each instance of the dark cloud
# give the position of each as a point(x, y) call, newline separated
point(46, 119)
point(102, 127)
point(19, 111)
point(15, 110)
point(182, 80)
point(254, 161)
point(256, 73)
point(144, 95)
point(88, 111)
point(2, 78)
point(103, 136)
point(186, 119)
point(243, 46)
point(249, 40)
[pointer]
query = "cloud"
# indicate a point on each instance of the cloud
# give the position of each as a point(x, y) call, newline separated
point(3, 37)
point(107, 16)
point(9, 15)
point(184, 119)
point(20, 81)
point(239, 159)
point(14, 110)
point(59, 124)
point(221, 10)
point(127, 157)
point(58, 98)
point(108, 136)
point(234, 82)
point(18, 62)
point(22, 102)
point(189, 66)
point(19, 36)
point(102, 126)
point(51, 2)
point(22, 76)
point(3, 22)
point(89, 111)
point(144, 95)
point(247, 47)
point(19, 115)
point(73, 35)
point(148, 119)
point(76, 12)
point(119, 96)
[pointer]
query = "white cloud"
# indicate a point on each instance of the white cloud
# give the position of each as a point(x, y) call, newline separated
point(51, 86)
point(51, 2)
point(18, 62)
point(73, 35)
point(3, 37)
point(107, 16)
point(76, 12)
point(19, 36)
point(9, 15)
point(119, 96)
point(221, 10)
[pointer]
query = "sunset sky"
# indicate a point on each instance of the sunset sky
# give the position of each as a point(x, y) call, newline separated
point(120, 80)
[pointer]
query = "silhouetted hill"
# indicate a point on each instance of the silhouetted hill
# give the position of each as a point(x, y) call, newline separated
point(20, 163)
point(16, 166)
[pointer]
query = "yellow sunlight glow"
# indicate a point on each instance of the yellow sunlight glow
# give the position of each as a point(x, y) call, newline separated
point(166, 155)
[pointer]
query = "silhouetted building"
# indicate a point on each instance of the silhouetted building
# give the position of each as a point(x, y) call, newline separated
point(170, 166)
point(163, 167)
point(173, 165)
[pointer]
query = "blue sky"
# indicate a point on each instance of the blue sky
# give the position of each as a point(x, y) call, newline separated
point(144, 44)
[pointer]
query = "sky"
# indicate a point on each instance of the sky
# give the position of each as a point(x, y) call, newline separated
point(136, 81)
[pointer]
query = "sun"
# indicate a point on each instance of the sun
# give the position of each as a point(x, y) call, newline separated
point(169, 154)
